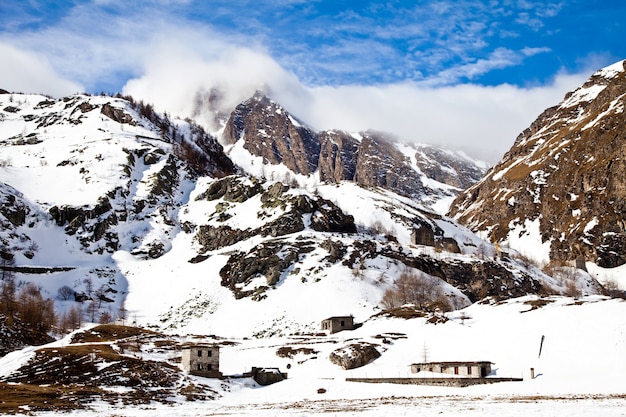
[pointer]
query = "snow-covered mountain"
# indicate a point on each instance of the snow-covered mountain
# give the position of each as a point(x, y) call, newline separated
point(263, 133)
point(559, 193)
point(135, 211)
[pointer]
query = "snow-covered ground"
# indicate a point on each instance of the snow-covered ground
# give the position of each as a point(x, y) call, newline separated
point(580, 371)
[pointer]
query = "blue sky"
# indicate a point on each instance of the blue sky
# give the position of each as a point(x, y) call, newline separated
point(375, 57)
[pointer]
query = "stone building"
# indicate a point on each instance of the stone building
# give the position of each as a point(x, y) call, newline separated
point(479, 369)
point(338, 323)
point(202, 360)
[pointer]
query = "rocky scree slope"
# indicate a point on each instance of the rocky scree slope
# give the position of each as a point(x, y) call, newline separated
point(563, 179)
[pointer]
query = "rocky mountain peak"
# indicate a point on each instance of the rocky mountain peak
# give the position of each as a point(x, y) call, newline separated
point(562, 180)
point(370, 158)
point(272, 133)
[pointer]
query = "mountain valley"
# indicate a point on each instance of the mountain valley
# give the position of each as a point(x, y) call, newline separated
point(249, 235)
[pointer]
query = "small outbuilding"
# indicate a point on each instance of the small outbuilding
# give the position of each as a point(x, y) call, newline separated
point(480, 369)
point(266, 376)
point(338, 323)
point(202, 360)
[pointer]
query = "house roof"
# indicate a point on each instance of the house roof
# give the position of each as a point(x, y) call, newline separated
point(452, 363)
point(339, 317)
point(201, 346)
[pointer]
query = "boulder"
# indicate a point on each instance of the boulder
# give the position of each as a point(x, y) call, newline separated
point(354, 355)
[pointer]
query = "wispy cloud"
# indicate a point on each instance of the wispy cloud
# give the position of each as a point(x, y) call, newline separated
point(27, 72)
point(100, 41)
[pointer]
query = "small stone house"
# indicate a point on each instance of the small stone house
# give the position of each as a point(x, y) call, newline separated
point(458, 369)
point(202, 360)
point(338, 323)
point(423, 236)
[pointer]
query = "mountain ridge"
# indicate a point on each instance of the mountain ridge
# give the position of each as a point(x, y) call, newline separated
point(562, 179)
point(265, 129)
point(155, 225)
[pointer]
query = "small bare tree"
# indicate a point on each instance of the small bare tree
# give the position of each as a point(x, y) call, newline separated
point(65, 293)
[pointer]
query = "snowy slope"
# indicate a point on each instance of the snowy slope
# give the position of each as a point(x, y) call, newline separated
point(579, 371)
point(109, 200)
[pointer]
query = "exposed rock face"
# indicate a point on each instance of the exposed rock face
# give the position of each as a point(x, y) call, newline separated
point(11, 208)
point(325, 216)
point(369, 158)
point(338, 156)
point(355, 355)
point(112, 113)
point(447, 168)
point(274, 134)
point(381, 164)
point(567, 171)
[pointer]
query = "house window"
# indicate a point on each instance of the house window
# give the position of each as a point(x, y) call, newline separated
point(209, 367)
point(209, 353)
point(456, 370)
point(199, 367)
point(199, 353)
point(442, 369)
point(469, 370)
point(343, 323)
point(430, 369)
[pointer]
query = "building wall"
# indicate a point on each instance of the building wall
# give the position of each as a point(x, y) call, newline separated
point(201, 360)
point(459, 369)
point(337, 324)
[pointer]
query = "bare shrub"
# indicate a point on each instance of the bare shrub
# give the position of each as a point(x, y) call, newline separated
point(413, 288)
point(611, 288)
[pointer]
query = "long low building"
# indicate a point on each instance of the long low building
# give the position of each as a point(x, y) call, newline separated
point(480, 369)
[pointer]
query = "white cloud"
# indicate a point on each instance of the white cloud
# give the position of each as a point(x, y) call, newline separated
point(173, 78)
point(482, 121)
point(27, 72)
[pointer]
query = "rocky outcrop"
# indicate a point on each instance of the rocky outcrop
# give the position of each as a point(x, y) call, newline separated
point(354, 355)
point(381, 164)
point(476, 278)
point(448, 168)
point(565, 173)
point(231, 189)
point(113, 113)
point(270, 260)
point(12, 209)
point(91, 223)
point(322, 215)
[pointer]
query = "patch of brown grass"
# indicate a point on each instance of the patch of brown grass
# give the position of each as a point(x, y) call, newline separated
point(405, 312)
point(111, 332)
point(538, 303)
point(24, 398)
